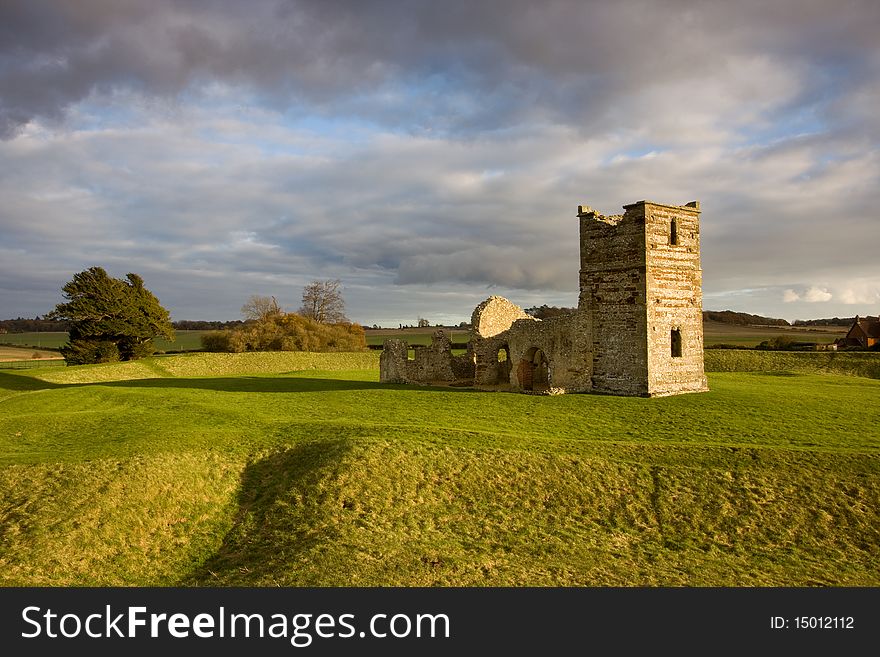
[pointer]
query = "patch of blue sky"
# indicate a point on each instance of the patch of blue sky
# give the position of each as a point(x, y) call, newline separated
point(349, 129)
point(635, 152)
point(94, 115)
point(790, 123)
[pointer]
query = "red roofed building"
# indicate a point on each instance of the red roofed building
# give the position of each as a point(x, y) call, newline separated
point(865, 333)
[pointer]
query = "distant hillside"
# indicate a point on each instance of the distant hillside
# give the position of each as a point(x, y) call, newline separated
point(834, 321)
point(741, 319)
point(24, 325)
point(197, 325)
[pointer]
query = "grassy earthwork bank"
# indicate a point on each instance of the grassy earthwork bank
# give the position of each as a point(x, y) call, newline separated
point(301, 469)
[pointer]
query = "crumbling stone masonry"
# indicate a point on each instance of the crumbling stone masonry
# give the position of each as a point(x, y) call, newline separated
point(432, 364)
point(637, 330)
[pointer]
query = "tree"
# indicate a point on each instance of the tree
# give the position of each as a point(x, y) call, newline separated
point(260, 308)
point(322, 301)
point(422, 323)
point(287, 332)
point(110, 318)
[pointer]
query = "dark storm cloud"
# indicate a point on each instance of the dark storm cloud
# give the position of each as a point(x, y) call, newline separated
point(446, 65)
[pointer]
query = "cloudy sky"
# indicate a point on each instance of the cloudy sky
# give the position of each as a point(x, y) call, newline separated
point(429, 154)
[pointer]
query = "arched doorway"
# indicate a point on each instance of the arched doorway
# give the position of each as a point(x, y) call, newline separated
point(534, 371)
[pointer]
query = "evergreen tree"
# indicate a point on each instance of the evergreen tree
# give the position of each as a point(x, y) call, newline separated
point(110, 318)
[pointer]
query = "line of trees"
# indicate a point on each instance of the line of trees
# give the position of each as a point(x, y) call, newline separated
point(546, 312)
point(832, 321)
point(741, 319)
point(35, 325)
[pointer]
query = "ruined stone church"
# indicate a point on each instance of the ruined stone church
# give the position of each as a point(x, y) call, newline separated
point(637, 330)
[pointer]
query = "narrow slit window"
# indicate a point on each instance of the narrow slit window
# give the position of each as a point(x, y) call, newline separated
point(673, 233)
point(676, 343)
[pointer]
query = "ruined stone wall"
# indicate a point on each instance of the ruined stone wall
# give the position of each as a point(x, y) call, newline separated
point(566, 344)
point(613, 296)
point(495, 315)
point(489, 372)
point(674, 281)
point(432, 363)
point(392, 362)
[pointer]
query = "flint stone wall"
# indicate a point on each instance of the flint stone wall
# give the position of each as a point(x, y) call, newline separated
point(433, 363)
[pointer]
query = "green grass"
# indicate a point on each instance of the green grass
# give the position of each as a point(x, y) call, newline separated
point(414, 336)
point(49, 339)
point(853, 363)
point(197, 470)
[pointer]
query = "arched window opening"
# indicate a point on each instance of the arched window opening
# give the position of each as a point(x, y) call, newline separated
point(676, 343)
point(673, 232)
point(503, 357)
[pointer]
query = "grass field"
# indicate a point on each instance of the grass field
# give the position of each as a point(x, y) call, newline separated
point(183, 340)
point(420, 336)
point(750, 336)
point(301, 469)
point(25, 353)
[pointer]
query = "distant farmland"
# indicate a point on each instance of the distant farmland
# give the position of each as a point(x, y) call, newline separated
point(750, 336)
point(713, 333)
point(184, 340)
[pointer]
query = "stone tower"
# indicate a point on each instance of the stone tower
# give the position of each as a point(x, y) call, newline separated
point(638, 328)
point(641, 287)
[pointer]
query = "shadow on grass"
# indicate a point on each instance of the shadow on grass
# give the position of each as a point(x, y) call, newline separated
point(23, 383)
point(270, 384)
point(280, 516)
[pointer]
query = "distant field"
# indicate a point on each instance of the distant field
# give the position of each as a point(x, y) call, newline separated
point(302, 470)
point(50, 339)
point(21, 353)
point(414, 335)
point(750, 336)
point(713, 333)
point(184, 340)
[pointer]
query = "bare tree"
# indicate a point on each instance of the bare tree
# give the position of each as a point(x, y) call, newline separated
point(260, 308)
point(423, 322)
point(322, 301)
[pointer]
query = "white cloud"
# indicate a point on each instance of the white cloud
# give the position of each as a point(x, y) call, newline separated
point(817, 295)
point(865, 292)
point(813, 294)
